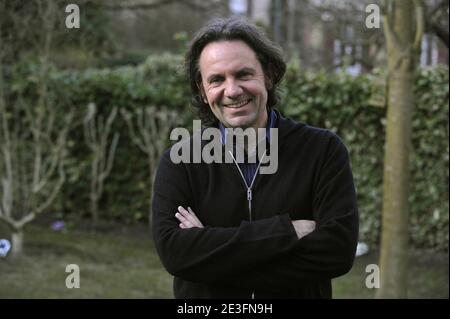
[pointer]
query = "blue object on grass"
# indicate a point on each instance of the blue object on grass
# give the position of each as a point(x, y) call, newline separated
point(5, 246)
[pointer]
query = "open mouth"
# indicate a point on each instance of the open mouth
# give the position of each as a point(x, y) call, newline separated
point(237, 105)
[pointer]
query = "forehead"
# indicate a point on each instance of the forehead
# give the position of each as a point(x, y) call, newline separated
point(222, 56)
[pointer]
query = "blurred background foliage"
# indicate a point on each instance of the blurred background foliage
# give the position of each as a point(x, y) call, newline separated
point(339, 102)
point(129, 54)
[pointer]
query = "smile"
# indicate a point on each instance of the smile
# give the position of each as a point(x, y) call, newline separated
point(237, 105)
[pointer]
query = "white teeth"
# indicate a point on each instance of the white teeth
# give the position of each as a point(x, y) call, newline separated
point(237, 105)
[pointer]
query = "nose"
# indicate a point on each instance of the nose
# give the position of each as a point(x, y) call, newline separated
point(232, 89)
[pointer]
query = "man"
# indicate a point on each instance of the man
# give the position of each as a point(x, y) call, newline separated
point(222, 229)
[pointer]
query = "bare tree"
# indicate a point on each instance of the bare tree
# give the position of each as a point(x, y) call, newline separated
point(32, 138)
point(31, 171)
point(96, 134)
point(148, 129)
point(403, 35)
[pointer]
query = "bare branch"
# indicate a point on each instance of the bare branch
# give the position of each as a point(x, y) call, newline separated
point(389, 20)
point(7, 181)
point(111, 154)
point(55, 191)
point(2, 210)
point(88, 123)
point(148, 132)
point(96, 132)
point(25, 220)
point(54, 158)
point(420, 25)
point(134, 138)
point(9, 221)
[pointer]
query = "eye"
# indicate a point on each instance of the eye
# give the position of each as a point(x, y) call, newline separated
point(244, 75)
point(216, 80)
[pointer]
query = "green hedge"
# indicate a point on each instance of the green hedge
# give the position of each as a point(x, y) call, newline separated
point(338, 102)
point(158, 82)
point(341, 103)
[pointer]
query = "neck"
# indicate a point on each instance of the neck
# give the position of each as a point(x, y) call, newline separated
point(250, 144)
point(262, 122)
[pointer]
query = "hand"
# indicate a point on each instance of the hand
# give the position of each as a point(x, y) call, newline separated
point(303, 227)
point(187, 218)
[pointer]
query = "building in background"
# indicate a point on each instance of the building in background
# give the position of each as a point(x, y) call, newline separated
point(325, 35)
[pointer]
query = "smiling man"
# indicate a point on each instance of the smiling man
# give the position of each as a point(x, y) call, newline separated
point(222, 229)
point(233, 84)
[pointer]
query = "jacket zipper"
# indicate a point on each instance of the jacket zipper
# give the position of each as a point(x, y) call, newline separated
point(249, 190)
point(249, 200)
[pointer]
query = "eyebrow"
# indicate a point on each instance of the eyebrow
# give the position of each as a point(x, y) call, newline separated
point(246, 70)
point(239, 72)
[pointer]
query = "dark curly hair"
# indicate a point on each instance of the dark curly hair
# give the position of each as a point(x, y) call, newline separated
point(267, 52)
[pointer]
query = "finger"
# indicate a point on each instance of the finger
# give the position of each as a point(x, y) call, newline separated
point(181, 218)
point(183, 226)
point(188, 216)
point(184, 220)
point(199, 223)
point(191, 211)
point(183, 211)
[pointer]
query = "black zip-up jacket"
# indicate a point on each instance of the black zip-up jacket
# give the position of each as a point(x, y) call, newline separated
point(232, 257)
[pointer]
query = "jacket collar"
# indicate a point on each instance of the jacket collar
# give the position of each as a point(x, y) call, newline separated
point(272, 119)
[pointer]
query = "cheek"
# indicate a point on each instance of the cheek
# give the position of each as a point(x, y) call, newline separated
point(257, 89)
point(213, 97)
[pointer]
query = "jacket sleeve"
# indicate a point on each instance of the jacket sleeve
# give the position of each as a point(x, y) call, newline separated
point(328, 251)
point(205, 254)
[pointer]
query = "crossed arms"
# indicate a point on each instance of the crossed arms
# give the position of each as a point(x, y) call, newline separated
point(188, 219)
point(270, 254)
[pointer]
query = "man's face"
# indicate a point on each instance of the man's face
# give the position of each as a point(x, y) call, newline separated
point(233, 84)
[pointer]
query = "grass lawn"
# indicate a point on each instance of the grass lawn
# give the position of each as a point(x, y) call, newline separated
point(111, 266)
point(125, 265)
point(427, 277)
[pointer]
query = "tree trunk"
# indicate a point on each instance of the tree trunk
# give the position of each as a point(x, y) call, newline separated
point(16, 243)
point(94, 209)
point(250, 8)
point(394, 241)
point(395, 220)
point(152, 170)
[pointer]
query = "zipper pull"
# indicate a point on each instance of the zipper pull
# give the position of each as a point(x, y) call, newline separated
point(249, 194)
